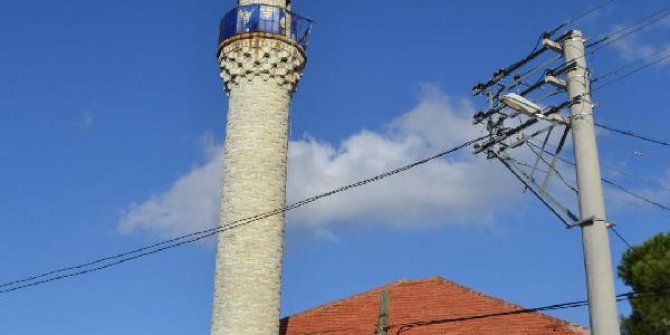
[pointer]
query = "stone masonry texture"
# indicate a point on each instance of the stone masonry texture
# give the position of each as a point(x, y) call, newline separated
point(260, 76)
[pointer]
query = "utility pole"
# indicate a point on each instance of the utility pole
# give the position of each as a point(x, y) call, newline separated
point(516, 117)
point(597, 256)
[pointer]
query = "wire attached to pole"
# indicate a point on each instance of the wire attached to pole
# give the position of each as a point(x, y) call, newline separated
point(124, 257)
point(632, 134)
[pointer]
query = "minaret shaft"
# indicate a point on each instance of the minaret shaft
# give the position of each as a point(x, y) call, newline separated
point(249, 258)
point(260, 69)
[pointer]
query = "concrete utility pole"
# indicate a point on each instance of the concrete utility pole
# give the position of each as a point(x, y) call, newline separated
point(511, 130)
point(261, 57)
point(597, 256)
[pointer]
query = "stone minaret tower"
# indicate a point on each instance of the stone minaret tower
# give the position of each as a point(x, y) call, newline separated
point(261, 56)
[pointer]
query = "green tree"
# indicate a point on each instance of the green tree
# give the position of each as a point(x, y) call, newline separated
point(646, 268)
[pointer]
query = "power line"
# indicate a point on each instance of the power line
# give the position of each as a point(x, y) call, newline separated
point(637, 70)
point(635, 195)
point(637, 178)
point(124, 257)
point(635, 150)
point(519, 78)
point(581, 16)
point(612, 228)
point(537, 51)
point(629, 65)
point(641, 65)
point(623, 33)
point(632, 134)
point(551, 33)
point(532, 190)
point(620, 236)
point(101, 260)
point(631, 29)
point(555, 171)
point(403, 327)
point(617, 186)
point(407, 326)
point(102, 267)
point(643, 122)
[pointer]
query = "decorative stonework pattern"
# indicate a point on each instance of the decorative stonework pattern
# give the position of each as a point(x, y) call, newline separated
point(268, 59)
point(249, 258)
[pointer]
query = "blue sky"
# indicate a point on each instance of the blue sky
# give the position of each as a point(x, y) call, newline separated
point(110, 108)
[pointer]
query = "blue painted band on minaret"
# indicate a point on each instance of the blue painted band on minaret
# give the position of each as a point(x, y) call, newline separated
point(266, 19)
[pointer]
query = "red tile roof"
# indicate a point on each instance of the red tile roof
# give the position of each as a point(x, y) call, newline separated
point(423, 300)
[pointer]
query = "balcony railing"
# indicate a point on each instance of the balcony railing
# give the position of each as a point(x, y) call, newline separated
point(266, 19)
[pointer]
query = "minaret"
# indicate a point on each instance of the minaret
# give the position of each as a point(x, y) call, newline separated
point(261, 56)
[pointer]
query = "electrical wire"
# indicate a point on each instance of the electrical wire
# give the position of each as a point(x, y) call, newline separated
point(635, 195)
point(632, 134)
point(537, 51)
point(614, 230)
point(637, 70)
point(403, 327)
point(611, 227)
point(620, 236)
point(532, 190)
point(554, 31)
point(558, 173)
point(634, 150)
point(617, 186)
point(599, 44)
point(623, 33)
point(124, 257)
point(630, 29)
point(637, 66)
point(580, 16)
point(518, 79)
point(102, 260)
point(630, 65)
point(642, 122)
point(634, 177)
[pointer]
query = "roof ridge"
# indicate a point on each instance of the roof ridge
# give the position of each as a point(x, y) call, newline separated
point(438, 280)
point(509, 304)
point(358, 296)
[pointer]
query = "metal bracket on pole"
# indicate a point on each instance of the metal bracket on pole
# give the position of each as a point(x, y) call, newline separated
point(540, 158)
point(525, 138)
point(554, 159)
point(503, 133)
point(590, 221)
point(562, 213)
point(552, 45)
point(560, 83)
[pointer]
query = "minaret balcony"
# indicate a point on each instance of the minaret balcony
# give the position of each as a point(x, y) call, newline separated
point(267, 19)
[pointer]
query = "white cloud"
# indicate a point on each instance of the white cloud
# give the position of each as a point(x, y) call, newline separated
point(631, 49)
point(191, 204)
point(461, 189)
point(638, 48)
point(656, 190)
